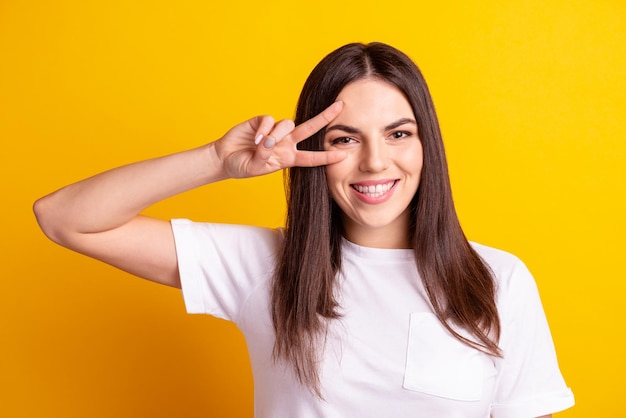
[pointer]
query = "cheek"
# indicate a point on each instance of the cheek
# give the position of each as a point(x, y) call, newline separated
point(412, 161)
point(332, 176)
point(337, 173)
point(409, 159)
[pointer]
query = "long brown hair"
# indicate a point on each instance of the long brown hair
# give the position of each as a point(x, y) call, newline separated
point(460, 286)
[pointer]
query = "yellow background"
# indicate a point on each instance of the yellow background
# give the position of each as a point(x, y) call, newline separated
point(532, 104)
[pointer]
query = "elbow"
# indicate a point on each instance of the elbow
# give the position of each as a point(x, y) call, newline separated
point(44, 214)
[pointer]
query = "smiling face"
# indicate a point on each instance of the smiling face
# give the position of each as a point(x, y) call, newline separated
point(375, 184)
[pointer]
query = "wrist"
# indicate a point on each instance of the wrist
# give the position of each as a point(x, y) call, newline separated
point(211, 164)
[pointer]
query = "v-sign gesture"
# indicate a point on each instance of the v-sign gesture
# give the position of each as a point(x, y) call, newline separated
point(260, 146)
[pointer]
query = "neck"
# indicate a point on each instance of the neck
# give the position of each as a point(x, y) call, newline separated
point(393, 236)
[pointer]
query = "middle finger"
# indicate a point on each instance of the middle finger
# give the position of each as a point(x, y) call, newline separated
point(313, 125)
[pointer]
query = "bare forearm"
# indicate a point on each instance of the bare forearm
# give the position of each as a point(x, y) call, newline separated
point(110, 199)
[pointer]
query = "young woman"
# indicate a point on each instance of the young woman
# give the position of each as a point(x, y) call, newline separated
point(370, 302)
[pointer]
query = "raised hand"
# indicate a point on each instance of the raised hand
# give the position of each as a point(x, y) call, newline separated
point(261, 146)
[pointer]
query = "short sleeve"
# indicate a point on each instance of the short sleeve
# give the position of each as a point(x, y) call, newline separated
point(220, 264)
point(530, 383)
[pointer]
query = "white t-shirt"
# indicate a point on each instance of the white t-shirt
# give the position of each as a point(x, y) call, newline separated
point(388, 355)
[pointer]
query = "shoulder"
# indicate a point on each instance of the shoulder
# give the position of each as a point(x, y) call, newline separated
point(220, 242)
point(502, 263)
point(227, 232)
point(513, 278)
point(222, 265)
point(496, 259)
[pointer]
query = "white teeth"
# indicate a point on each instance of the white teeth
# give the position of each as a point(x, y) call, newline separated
point(374, 191)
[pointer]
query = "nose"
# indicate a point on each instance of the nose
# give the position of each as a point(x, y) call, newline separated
point(374, 156)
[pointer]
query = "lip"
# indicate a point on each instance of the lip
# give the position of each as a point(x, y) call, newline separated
point(388, 188)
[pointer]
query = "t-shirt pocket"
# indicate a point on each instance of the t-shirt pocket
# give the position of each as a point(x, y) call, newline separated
point(439, 364)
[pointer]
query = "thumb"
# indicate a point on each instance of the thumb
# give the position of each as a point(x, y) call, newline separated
point(262, 154)
point(267, 143)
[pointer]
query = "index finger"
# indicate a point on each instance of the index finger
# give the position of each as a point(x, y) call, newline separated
point(317, 158)
point(313, 125)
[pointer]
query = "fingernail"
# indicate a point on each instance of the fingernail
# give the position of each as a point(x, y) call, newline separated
point(258, 139)
point(269, 142)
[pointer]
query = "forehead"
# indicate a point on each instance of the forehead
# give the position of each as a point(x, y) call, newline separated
point(372, 101)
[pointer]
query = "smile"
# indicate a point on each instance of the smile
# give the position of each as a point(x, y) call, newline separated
point(374, 190)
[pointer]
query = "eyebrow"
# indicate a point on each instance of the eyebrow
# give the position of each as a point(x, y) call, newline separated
point(353, 130)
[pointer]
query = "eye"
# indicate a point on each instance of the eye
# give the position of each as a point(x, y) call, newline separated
point(342, 140)
point(400, 134)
